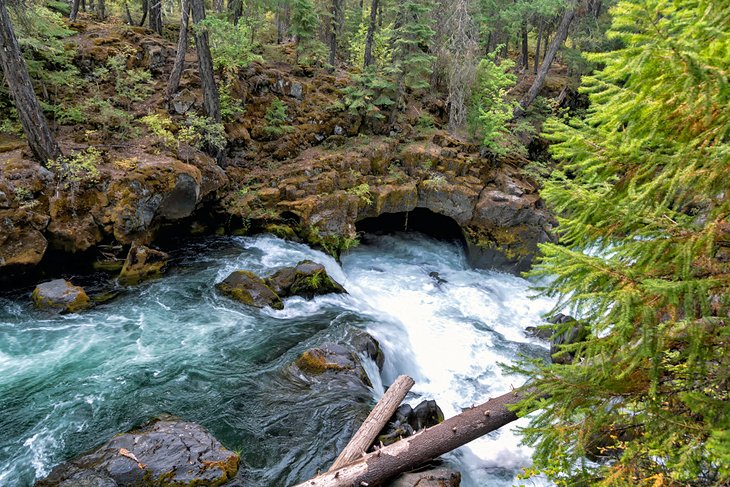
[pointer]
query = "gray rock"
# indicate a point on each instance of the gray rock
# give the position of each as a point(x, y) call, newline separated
point(183, 101)
point(247, 288)
point(167, 451)
point(365, 344)
point(339, 130)
point(60, 296)
point(436, 477)
point(566, 331)
point(296, 90)
point(181, 201)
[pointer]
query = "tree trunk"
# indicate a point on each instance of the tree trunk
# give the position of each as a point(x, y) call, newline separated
point(155, 15)
point(371, 34)
point(335, 29)
point(219, 6)
point(101, 9)
point(128, 14)
point(40, 139)
point(211, 103)
point(236, 9)
point(282, 13)
point(539, 40)
point(182, 47)
point(524, 59)
point(377, 467)
point(375, 422)
point(145, 8)
point(558, 41)
point(74, 10)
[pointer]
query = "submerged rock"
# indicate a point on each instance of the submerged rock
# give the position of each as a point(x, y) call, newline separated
point(142, 263)
point(434, 477)
point(366, 345)
point(250, 289)
point(307, 279)
point(60, 296)
point(167, 451)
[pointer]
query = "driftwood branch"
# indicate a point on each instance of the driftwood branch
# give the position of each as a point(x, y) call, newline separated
point(375, 422)
point(377, 467)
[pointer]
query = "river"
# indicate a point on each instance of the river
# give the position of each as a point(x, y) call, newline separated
point(173, 345)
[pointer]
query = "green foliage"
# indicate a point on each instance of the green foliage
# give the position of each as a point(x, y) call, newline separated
point(230, 45)
point(132, 85)
point(362, 191)
point(489, 110)
point(231, 107)
point(304, 28)
point(369, 93)
point(78, 168)
point(276, 119)
point(412, 39)
point(100, 113)
point(200, 132)
point(644, 198)
point(197, 131)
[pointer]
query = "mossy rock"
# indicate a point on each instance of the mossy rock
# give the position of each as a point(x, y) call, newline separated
point(307, 279)
point(142, 263)
point(331, 359)
point(60, 296)
point(248, 288)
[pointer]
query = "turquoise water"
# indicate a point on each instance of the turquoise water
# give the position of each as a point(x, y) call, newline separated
point(68, 383)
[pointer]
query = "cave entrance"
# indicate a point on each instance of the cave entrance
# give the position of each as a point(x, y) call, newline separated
point(421, 220)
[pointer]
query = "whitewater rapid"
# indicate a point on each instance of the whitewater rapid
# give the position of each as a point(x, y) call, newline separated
point(68, 383)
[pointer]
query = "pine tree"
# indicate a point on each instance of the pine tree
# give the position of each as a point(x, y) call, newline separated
point(643, 194)
point(412, 39)
point(304, 26)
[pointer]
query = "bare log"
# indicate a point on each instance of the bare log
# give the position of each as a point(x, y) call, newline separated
point(377, 467)
point(375, 422)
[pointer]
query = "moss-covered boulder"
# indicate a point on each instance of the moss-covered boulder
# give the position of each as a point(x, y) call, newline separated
point(307, 279)
point(166, 451)
point(250, 289)
point(142, 263)
point(60, 296)
point(331, 361)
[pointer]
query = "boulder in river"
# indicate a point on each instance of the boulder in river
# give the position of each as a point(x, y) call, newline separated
point(142, 263)
point(307, 279)
point(250, 289)
point(166, 451)
point(330, 361)
point(567, 331)
point(61, 296)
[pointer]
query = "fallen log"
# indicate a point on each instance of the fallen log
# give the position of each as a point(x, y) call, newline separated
point(375, 422)
point(377, 467)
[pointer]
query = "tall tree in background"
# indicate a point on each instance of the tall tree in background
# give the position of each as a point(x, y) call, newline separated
point(182, 47)
point(211, 101)
point(155, 15)
point(370, 37)
point(335, 29)
point(557, 42)
point(40, 139)
point(644, 201)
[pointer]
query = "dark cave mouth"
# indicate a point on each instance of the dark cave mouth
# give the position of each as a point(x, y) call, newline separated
point(420, 220)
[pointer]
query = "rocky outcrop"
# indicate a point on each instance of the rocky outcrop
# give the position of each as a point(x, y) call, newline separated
point(407, 421)
point(248, 288)
point(60, 296)
point(434, 477)
point(142, 263)
point(307, 279)
point(167, 451)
